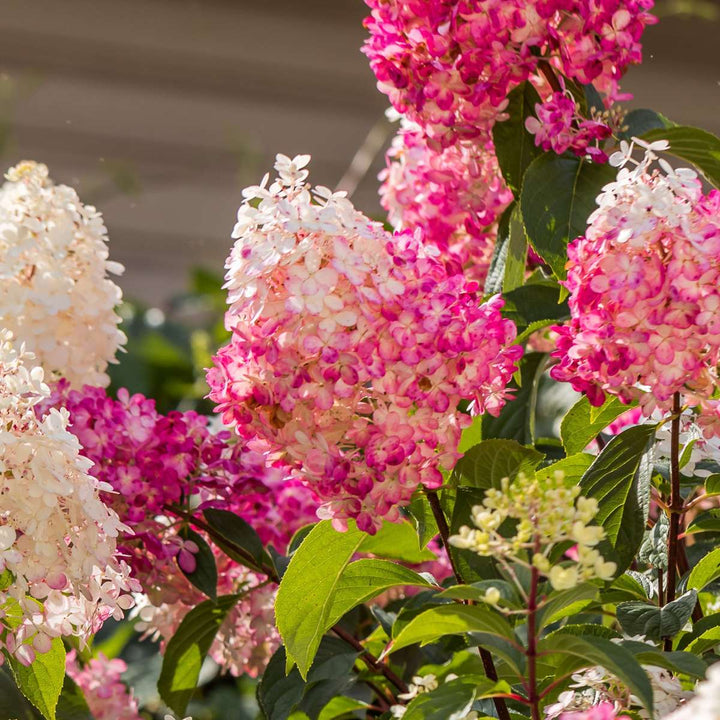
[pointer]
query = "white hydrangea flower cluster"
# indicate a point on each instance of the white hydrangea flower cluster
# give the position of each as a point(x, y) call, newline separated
point(58, 572)
point(55, 293)
point(549, 510)
point(596, 685)
point(705, 703)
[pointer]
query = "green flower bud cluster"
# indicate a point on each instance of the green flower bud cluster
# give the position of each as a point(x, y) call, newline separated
point(548, 510)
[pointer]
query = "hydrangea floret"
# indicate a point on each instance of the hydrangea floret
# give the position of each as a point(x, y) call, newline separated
point(56, 295)
point(548, 511)
point(352, 348)
point(644, 296)
point(60, 572)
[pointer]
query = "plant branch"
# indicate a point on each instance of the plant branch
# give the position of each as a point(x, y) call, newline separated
point(370, 660)
point(485, 656)
point(533, 697)
point(547, 70)
point(675, 507)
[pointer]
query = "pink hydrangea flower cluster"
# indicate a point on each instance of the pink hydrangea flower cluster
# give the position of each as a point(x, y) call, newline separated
point(100, 681)
point(450, 64)
point(644, 287)
point(247, 638)
point(352, 348)
point(455, 194)
point(559, 127)
point(60, 575)
point(151, 461)
point(602, 711)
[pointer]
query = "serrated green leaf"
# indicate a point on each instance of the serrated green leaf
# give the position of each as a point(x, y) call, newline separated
point(679, 663)
point(305, 596)
point(477, 590)
point(653, 622)
point(514, 145)
point(486, 464)
point(423, 518)
point(586, 630)
point(558, 195)
point(574, 466)
point(341, 706)
point(365, 579)
point(703, 625)
point(583, 422)
point(187, 649)
point(585, 652)
point(707, 521)
point(42, 681)
point(699, 147)
point(454, 699)
point(433, 624)
point(204, 577)
point(397, 541)
point(613, 481)
point(706, 571)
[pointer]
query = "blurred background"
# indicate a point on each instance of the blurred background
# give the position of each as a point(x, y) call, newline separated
point(160, 111)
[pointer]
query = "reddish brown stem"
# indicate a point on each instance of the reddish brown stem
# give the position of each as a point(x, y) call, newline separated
point(485, 656)
point(547, 70)
point(533, 696)
point(675, 507)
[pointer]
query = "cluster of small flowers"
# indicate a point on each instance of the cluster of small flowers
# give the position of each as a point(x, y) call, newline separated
point(247, 638)
point(450, 64)
point(597, 695)
point(53, 586)
point(352, 348)
point(149, 461)
point(100, 681)
point(558, 127)
point(705, 703)
point(542, 509)
point(55, 295)
point(455, 194)
point(644, 292)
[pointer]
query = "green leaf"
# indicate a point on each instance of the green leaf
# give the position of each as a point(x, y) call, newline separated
point(562, 603)
point(509, 259)
point(204, 577)
point(535, 306)
point(707, 521)
point(557, 197)
point(341, 706)
point(640, 121)
point(435, 623)
point(305, 596)
point(684, 663)
point(613, 480)
point(279, 695)
point(187, 649)
point(712, 485)
point(516, 420)
point(574, 466)
point(42, 681)
point(365, 579)
point(699, 147)
point(653, 622)
point(397, 541)
point(72, 704)
point(706, 571)
point(485, 465)
point(585, 652)
point(705, 625)
point(232, 534)
point(514, 145)
point(583, 422)
point(705, 641)
point(423, 517)
point(587, 630)
point(454, 699)
point(476, 591)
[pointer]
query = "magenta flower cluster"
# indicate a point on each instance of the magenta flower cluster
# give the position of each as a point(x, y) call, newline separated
point(450, 64)
point(644, 287)
point(154, 461)
point(455, 194)
point(352, 348)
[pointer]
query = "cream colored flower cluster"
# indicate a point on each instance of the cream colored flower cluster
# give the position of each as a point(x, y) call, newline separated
point(548, 510)
point(58, 572)
point(55, 293)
